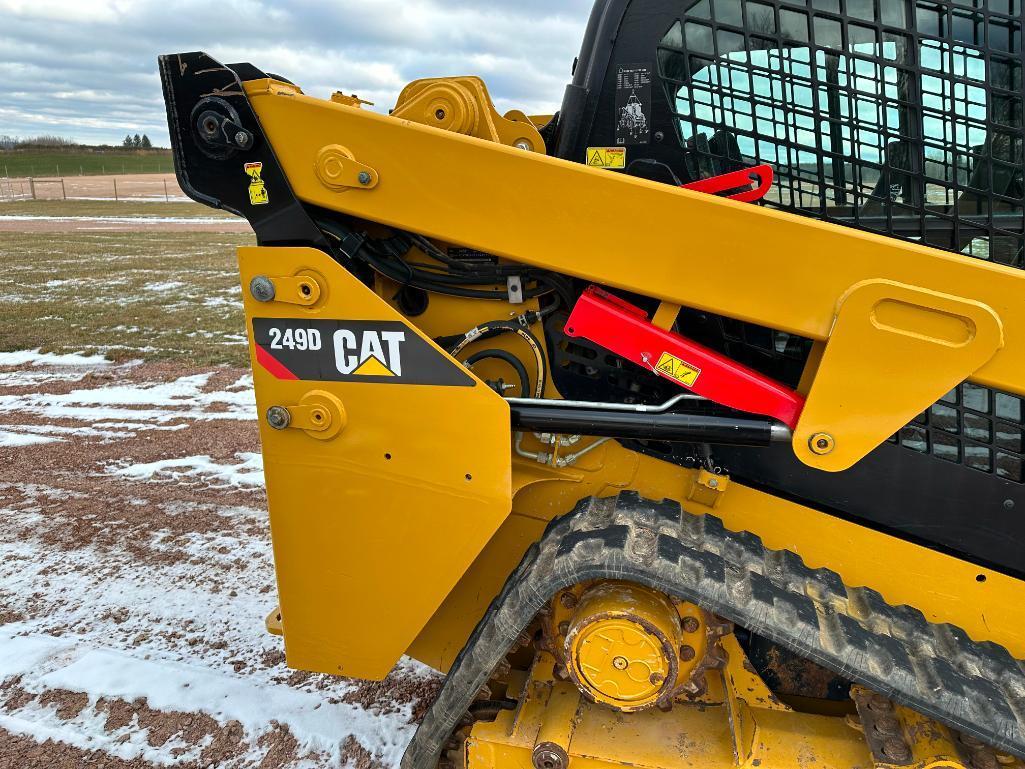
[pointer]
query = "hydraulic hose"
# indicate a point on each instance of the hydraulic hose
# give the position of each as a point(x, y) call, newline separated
point(496, 327)
point(508, 357)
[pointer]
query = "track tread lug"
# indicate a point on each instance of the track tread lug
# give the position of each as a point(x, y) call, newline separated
point(975, 688)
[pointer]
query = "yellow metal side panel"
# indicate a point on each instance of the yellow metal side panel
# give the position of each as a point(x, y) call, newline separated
point(446, 632)
point(751, 263)
point(374, 527)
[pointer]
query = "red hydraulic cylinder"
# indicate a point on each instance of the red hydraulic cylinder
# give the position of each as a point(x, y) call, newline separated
point(623, 329)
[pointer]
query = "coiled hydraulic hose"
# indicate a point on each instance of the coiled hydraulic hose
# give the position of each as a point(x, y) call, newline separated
point(508, 357)
point(495, 328)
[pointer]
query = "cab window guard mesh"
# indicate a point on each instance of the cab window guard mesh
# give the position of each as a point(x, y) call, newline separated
point(897, 117)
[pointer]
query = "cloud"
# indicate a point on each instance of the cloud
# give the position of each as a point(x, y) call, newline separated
point(86, 69)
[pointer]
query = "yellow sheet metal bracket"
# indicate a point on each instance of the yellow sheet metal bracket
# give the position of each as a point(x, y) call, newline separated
point(869, 383)
point(303, 290)
point(319, 413)
point(338, 170)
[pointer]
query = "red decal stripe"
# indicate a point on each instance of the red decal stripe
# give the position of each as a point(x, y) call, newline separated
point(272, 364)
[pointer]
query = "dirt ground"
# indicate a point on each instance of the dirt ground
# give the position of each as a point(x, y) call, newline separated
point(135, 560)
point(125, 224)
point(122, 186)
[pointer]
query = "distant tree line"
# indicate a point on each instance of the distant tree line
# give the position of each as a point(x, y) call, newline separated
point(60, 143)
point(137, 142)
point(13, 143)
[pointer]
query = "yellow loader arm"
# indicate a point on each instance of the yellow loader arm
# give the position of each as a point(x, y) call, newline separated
point(890, 311)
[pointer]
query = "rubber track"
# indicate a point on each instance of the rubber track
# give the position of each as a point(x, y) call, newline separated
point(975, 688)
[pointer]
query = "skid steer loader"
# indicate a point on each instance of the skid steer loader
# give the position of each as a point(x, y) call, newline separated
point(682, 428)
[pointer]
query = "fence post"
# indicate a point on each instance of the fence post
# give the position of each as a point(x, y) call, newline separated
point(64, 190)
point(58, 169)
point(166, 198)
point(115, 189)
point(32, 186)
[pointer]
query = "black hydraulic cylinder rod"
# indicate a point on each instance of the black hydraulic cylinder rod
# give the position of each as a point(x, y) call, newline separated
point(674, 428)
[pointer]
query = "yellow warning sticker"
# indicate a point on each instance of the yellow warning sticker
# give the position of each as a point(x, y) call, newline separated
point(257, 189)
point(606, 157)
point(675, 368)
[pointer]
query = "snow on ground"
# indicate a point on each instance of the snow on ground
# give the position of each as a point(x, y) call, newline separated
point(8, 438)
point(38, 358)
point(247, 472)
point(137, 199)
point(122, 409)
point(135, 575)
point(114, 219)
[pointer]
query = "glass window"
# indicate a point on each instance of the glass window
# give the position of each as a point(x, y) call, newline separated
point(863, 123)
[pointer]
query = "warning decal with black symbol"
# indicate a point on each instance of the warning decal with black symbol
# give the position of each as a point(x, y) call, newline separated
point(675, 368)
point(633, 104)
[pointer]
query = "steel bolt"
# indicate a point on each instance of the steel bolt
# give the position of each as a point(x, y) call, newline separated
point(822, 443)
point(568, 600)
point(278, 417)
point(563, 628)
point(524, 144)
point(713, 483)
point(656, 678)
point(983, 759)
point(241, 138)
point(888, 725)
point(687, 653)
point(261, 288)
point(895, 748)
point(365, 178)
point(620, 663)
point(880, 703)
point(548, 755)
point(691, 625)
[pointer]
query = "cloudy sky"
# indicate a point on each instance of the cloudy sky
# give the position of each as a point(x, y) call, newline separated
point(86, 69)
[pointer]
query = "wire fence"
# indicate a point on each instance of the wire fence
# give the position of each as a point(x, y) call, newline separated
point(155, 187)
point(89, 167)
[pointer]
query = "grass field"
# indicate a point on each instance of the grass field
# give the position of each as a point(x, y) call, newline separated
point(73, 163)
point(108, 208)
point(128, 295)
